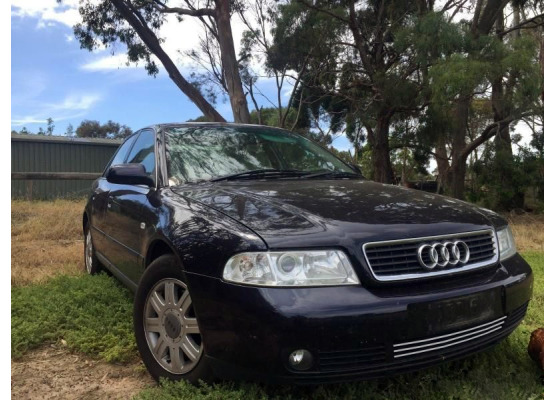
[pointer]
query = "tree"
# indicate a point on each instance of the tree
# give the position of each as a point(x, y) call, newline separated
point(356, 75)
point(260, 18)
point(89, 129)
point(94, 129)
point(49, 126)
point(69, 130)
point(135, 23)
point(467, 73)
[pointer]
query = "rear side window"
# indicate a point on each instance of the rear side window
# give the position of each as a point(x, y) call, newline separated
point(119, 157)
point(142, 151)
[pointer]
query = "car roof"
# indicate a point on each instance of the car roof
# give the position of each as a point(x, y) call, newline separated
point(162, 126)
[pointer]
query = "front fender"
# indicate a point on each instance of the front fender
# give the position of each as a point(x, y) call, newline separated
point(204, 238)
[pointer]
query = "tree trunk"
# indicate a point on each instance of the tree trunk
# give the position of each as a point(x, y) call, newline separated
point(507, 196)
point(380, 149)
point(443, 166)
point(456, 172)
point(238, 100)
point(456, 178)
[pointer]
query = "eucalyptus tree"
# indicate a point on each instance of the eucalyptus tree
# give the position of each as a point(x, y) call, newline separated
point(487, 67)
point(137, 24)
point(356, 74)
point(516, 85)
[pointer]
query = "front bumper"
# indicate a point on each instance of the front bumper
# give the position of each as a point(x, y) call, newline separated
point(353, 332)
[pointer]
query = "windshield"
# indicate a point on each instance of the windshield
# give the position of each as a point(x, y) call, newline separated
point(209, 152)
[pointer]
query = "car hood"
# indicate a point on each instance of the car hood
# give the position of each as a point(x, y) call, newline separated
point(298, 213)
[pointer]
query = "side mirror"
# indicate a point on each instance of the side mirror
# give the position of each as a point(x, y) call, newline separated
point(129, 174)
point(356, 168)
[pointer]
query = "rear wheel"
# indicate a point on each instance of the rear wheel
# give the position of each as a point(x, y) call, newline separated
point(92, 264)
point(166, 328)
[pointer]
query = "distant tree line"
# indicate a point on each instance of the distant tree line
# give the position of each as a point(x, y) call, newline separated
point(86, 129)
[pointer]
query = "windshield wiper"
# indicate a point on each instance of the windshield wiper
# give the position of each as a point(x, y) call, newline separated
point(261, 173)
point(333, 175)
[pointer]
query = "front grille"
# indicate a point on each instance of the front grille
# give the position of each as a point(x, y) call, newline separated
point(351, 359)
point(398, 259)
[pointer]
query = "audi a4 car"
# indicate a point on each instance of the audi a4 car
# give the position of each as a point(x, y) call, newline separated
point(256, 254)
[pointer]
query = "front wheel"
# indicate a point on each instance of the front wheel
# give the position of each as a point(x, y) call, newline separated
point(92, 264)
point(166, 329)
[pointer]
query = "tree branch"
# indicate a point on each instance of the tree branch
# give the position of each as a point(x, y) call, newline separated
point(527, 24)
point(201, 12)
point(488, 133)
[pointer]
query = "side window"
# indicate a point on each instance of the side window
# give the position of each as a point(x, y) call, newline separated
point(142, 151)
point(121, 153)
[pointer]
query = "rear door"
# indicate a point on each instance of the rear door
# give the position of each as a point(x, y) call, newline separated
point(128, 211)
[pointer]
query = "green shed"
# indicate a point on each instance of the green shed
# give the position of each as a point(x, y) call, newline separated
point(37, 153)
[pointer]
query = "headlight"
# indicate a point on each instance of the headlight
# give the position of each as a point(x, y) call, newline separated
point(506, 243)
point(292, 268)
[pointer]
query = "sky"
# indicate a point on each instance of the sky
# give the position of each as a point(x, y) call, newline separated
point(53, 77)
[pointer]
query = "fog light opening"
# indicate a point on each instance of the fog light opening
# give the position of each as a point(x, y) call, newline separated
point(301, 360)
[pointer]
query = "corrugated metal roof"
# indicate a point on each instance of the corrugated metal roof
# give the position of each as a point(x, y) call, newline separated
point(64, 139)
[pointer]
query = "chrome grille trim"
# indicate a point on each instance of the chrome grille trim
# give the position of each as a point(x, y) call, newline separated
point(411, 244)
point(440, 342)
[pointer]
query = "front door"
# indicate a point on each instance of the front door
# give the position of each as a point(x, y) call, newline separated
point(99, 200)
point(128, 210)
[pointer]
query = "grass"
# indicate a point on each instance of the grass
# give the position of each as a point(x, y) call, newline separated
point(52, 300)
point(46, 240)
point(528, 230)
point(90, 314)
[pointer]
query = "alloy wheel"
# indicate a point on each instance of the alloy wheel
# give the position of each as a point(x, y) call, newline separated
point(89, 252)
point(171, 327)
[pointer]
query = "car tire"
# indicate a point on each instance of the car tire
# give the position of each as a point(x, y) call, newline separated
point(166, 329)
point(91, 263)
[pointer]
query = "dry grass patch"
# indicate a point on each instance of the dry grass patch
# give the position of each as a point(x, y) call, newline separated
point(46, 239)
point(528, 230)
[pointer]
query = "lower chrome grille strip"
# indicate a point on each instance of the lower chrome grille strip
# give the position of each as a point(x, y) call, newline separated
point(453, 339)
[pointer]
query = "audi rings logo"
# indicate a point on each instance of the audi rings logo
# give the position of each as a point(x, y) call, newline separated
point(438, 255)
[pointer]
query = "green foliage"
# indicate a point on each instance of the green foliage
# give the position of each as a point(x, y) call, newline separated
point(103, 26)
point(94, 129)
point(49, 126)
point(69, 130)
point(525, 170)
point(504, 372)
point(93, 314)
point(430, 37)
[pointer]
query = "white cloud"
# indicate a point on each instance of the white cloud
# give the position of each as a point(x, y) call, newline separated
point(77, 102)
point(108, 62)
point(48, 12)
point(73, 106)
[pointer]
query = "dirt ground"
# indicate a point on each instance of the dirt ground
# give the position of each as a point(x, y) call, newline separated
point(55, 373)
